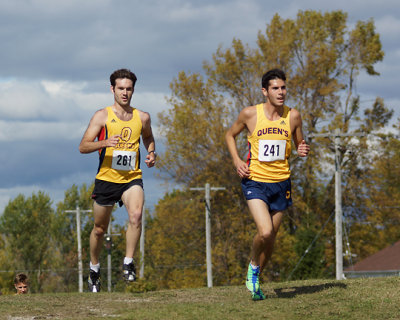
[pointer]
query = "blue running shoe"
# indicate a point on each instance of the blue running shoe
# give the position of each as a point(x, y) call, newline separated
point(252, 282)
point(259, 295)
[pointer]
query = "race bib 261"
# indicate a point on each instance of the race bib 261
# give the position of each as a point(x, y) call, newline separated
point(124, 160)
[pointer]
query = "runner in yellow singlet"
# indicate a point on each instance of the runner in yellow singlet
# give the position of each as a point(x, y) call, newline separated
point(115, 132)
point(266, 174)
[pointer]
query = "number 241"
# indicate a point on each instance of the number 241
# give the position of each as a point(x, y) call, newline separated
point(271, 150)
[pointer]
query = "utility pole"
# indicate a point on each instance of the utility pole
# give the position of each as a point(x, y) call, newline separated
point(78, 234)
point(207, 190)
point(108, 245)
point(141, 271)
point(338, 209)
point(338, 196)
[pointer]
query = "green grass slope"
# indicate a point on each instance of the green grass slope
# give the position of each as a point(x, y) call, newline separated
point(373, 298)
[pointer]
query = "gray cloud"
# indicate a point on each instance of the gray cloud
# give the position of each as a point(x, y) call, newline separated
point(56, 58)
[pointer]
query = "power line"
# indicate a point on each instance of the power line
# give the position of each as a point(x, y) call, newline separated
point(338, 195)
point(108, 240)
point(142, 243)
point(348, 250)
point(309, 247)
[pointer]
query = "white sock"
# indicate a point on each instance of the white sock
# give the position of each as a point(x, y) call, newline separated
point(128, 260)
point(253, 266)
point(95, 267)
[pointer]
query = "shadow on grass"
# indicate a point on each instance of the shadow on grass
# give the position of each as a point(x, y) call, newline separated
point(292, 292)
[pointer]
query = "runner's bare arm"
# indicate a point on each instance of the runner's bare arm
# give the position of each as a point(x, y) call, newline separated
point(88, 143)
point(148, 139)
point(297, 133)
point(238, 126)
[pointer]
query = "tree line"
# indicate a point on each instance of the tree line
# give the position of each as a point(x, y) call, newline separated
point(323, 58)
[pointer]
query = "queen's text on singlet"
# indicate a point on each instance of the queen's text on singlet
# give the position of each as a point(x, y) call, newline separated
point(270, 147)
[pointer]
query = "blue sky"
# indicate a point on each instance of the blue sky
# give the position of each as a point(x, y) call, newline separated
point(56, 58)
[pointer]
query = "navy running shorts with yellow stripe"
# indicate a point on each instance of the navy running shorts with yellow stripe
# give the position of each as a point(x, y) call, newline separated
point(277, 195)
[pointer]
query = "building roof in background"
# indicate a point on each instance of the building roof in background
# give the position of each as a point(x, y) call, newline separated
point(384, 260)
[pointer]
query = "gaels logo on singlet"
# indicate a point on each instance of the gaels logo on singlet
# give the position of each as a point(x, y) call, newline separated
point(121, 163)
point(126, 133)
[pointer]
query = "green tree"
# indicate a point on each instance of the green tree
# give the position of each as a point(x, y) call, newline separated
point(384, 193)
point(194, 131)
point(25, 224)
point(65, 233)
point(322, 58)
point(376, 224)
point(6, 275)
point(64, 229)
point(311, 249)
point(175, 245)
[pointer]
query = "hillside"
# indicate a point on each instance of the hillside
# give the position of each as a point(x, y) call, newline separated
point(373, 298)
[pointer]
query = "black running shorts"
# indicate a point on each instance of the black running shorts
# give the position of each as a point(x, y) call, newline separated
point(108, 193)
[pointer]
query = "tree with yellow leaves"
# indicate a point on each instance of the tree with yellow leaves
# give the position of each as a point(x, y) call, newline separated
point(322, 58)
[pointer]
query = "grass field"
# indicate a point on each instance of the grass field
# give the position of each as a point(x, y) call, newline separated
point(373, 298)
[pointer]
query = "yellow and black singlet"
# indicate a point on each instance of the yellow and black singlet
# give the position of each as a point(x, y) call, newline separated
point(270, 147)
point(120, 164)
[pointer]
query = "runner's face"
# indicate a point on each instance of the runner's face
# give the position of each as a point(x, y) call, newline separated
point(22, 288)
point(276, 92)
point(123, 91)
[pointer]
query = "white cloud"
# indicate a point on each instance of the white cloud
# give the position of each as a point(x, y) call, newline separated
point(61, 89)
point(9, 194)
point(389, 26)
point(54, 66)
point(43, 100)
point(39, 131)
point(151, 102)
point(61, 110)
point(55, 190)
